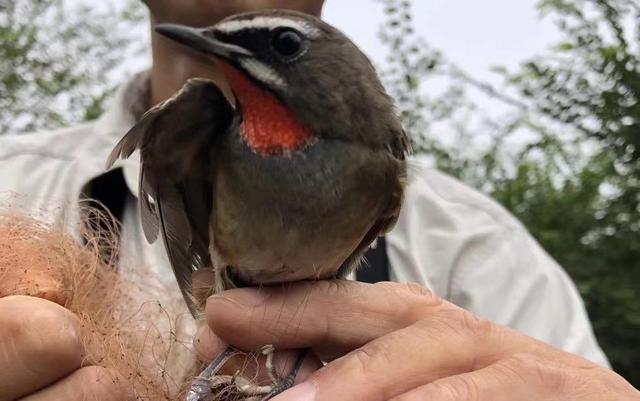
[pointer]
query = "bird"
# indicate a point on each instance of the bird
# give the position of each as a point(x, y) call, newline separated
point(291, 178)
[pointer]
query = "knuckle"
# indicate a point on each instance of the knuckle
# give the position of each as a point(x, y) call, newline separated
point(417, 289)
point(476, 326)
point(40, 330)
point(368, 359)
point(416, 301)
point(368, 364)
point(455, 320)
point(410, 290)
point(361, 359)
point(455, 388)
point(527, 368)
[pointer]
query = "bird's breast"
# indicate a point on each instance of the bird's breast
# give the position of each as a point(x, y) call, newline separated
point(295, 216)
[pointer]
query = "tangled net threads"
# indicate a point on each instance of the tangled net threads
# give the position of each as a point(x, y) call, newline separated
point(37, 259)
point(125, 327)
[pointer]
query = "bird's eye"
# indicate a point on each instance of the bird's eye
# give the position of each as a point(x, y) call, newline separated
point(287, 42)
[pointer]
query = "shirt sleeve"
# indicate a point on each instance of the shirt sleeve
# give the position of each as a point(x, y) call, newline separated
point(519, 285)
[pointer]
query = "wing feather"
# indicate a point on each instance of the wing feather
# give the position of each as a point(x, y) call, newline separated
point(148, 206)
point(398, 149)
point(177, 139)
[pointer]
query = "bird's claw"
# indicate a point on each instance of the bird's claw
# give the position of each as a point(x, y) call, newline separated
point(203, 387)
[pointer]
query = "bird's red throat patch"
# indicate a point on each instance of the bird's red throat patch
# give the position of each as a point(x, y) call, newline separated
point(268, 127)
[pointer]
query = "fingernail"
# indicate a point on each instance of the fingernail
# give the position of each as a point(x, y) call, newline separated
point(245, 297)
point(302, 392)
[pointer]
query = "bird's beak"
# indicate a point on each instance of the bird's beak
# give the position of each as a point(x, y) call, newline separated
point(201, 39)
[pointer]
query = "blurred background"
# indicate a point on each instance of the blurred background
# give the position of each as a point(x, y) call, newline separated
point(534, 102)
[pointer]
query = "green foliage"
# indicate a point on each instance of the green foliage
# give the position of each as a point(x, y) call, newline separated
point(592, 80)
point(595, 237)
point(590, 221)
point(576, 186)
point(56, 60)
point(408, 66)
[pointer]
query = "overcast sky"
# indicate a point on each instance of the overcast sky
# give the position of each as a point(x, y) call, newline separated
point(473, 34)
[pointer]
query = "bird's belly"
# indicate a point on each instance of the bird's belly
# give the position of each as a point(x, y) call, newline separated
point(295, 217)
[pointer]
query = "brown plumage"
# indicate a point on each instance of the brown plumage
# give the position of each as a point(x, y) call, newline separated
point(293, 184)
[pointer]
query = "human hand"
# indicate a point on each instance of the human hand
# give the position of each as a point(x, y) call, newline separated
point(42, 356)
point(208, 12)
point(401, 343)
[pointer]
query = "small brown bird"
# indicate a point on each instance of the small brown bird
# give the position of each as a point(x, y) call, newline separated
point(292, 184)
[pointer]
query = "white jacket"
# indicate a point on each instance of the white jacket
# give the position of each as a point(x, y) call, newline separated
point(449, 238)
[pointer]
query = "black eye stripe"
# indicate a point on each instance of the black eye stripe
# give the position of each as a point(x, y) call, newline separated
point(283, 44)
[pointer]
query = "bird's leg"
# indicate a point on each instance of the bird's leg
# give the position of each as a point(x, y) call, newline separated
point(269, 351)
point(247, 389)
point(201, 387)
point(221, 380)
point(280, 386)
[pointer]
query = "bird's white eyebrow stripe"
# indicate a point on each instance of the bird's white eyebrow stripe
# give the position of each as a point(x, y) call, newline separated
point(233, 26)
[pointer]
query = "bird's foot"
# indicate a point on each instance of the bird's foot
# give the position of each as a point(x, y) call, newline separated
point(208, 385)
point(280, 385)
point(202, 386)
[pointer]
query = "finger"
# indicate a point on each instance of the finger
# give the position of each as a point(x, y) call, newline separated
point(91, 383)
point(520, 377)
point(332, 317)
point(392, 365)
point(209, 346)
point(443, 345)
point(444, 340)
point(336, 317)
point(39, 344)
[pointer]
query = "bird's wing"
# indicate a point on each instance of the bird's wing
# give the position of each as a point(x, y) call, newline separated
point(398, 149)
point(176, 140)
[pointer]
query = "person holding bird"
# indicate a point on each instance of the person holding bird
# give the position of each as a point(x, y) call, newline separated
point(270, 153)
